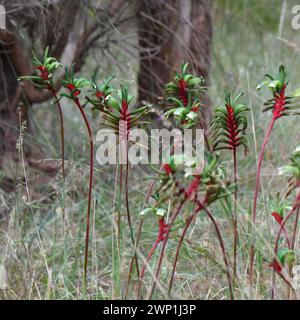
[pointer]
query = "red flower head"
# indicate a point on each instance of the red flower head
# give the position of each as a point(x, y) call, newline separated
point(44, 72)
point(278, 218)
point(277, 267)
point(73, 89)
point(193, 187)
point(74, 85)
point(167, 169)
point(162, 230)
point(279, 104)
point(99, 94)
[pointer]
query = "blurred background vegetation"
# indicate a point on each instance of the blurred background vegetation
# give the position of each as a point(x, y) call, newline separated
point(42, 256)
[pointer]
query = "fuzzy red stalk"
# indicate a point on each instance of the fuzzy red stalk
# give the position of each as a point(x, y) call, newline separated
point(160, 237)
point(164, 244)
point(124, 128)
point(278, 108)
point(190, 194)
point(88, 214)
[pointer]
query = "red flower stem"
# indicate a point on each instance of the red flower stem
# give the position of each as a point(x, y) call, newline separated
point(173, 218)
point(296, 219)
point(295, 230)
point(286, 237)
point(221, 241)
point(294, 239)
point(62, 134)
point(133, 258)
point(235, 219)
point(87, 233)
point(160, 237)
point(128, 215)
point(188, 222)
point(257, 182)
point(139, 235)
point(282, 226)
point(144, 266)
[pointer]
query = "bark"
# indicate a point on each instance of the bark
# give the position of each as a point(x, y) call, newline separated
point(171, 32)
point(57, 24)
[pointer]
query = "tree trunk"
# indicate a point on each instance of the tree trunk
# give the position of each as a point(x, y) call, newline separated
point(172, 32)
point(52, 26)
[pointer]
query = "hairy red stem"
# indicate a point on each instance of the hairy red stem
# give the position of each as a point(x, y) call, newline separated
point(62, 134)
point(160, 237)
point(235, 219)
point(221, 241)
point(129, 217)
point(189, 220)
point(87, 234)
point(257, 182)
point(173, 218)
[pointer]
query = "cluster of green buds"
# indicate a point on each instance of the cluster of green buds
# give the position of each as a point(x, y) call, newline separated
point(100, 97)
point(74, 85)
point(213, 183)
point(46, 68)
point(160, 212)
point(280, 103)
point(183, 93)
point(209, 185)
point(114, 106)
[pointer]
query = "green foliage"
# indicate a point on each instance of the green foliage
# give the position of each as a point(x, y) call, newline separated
point(183, 93)
point(213, 180)
point(101, 93)
point(114, 106)
point(74, 85)
point(294, 168)
point(152, 210)
point(286, 256)
point(280, 104)
point(276, 84)
point(46, 67)
point(279, 205)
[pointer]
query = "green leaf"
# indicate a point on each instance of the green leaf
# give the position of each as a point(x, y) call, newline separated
point(160, 212)
point(148, 210)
